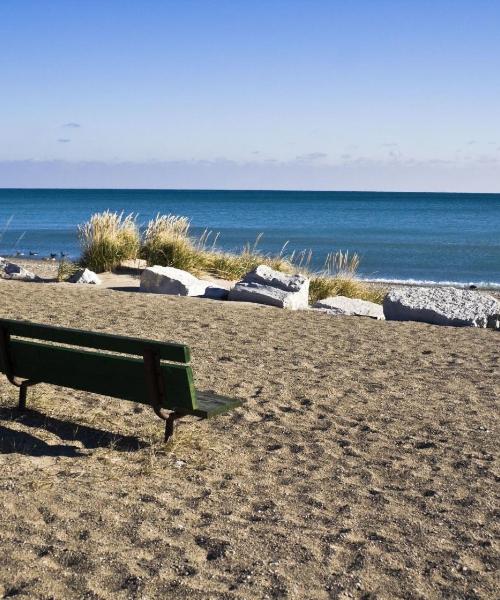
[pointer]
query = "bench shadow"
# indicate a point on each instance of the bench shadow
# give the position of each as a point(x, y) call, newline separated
point(18, 442)
point(12, 441)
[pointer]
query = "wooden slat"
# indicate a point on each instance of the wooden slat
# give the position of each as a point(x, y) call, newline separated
point(102, 341)
point(106, 374)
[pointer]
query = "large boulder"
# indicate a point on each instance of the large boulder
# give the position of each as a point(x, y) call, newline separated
point(168, 280)
point(263, 285)
point(10, 270)
point(84, 276)
point(442, 306)
point(340, 305)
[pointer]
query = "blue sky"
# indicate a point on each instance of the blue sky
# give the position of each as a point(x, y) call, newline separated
point(316, 94)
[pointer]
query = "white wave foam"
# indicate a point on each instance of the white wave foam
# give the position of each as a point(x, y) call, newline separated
point(491, 285)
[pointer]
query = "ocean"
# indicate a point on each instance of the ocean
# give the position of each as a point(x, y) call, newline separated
point(401, 237)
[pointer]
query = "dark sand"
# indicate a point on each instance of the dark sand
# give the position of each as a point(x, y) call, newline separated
point(362, 464)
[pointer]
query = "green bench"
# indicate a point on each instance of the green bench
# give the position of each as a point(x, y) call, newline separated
point(144, 371)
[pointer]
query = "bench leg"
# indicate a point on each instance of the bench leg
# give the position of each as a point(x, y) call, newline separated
point(170, 426)
point(23, 392)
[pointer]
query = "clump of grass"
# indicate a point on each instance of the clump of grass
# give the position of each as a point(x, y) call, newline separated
point(341, 264)
point(339, 278)
point(322, 287)
point(166, 242)
point(234, 266)
point(65, 269)
point(107, 239)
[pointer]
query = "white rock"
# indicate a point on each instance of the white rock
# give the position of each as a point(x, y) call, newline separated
point(340, 305)
point(168, 280)
point(85, 276)
point(442, 306)
point(10, 270)
point(263, 285)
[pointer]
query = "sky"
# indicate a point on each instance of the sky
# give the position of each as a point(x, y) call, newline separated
point(261, 94)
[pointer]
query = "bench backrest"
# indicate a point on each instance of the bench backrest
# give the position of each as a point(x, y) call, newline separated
point(47, 361)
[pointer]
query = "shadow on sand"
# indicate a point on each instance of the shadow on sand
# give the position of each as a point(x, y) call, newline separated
point(12, 441)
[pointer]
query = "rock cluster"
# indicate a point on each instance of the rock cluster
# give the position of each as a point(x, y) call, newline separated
point(264, 285)
point(442, 306)
point(267, 286)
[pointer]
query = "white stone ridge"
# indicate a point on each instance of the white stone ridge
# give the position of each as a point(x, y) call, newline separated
point(442, 306)
point(264, 285)
point(341, 305)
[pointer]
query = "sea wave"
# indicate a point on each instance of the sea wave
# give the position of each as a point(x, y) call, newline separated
point(490, 285)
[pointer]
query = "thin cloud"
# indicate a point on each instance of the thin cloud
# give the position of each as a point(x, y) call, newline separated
point(312, 156)
point(485, 159)
point(63, 140)
point(71, 125)
point(359, 174)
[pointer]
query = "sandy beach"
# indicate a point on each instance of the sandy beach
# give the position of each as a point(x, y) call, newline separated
point(291, 212)
point(361, 464)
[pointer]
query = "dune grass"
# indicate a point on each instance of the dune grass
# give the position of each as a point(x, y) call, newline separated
point(322, 287)
point(109, 238)
point(65, 269)
point(339, 278)
point(235, 266)
point(167, 242)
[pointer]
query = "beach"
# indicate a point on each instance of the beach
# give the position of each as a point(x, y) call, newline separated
point(360, 465)
point(270, 231)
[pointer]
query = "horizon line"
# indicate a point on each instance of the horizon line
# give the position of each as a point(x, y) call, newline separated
point(266, 190)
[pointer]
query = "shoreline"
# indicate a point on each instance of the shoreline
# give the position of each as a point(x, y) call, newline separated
point(48, 270)
point(480, 286)
point(381, 228)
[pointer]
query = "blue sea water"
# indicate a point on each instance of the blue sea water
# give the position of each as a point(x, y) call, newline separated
point(400, 236)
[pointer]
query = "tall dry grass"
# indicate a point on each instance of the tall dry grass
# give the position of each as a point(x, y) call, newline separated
point(167, 242)
point(107, 239)
point(227, 265)
point(65, 270)
point(339, 278)
point(322, 287)
point(234, 266)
